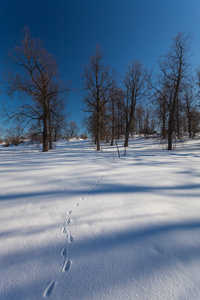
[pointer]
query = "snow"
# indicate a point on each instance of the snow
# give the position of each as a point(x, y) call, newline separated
point(80, 224)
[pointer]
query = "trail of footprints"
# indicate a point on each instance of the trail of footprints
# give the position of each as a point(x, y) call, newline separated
point(69, 239)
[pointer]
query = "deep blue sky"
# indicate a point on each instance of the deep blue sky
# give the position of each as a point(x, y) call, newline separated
point(125, 29)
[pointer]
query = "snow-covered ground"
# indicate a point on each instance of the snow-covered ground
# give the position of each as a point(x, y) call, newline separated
point(79, 224)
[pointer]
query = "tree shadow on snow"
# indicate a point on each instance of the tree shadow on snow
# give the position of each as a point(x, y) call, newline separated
point(108, 261)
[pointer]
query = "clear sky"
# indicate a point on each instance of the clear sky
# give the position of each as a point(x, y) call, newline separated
point(125, 29)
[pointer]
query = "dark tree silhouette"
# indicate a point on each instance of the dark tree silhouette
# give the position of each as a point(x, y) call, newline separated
point(99, 81)
point(35, 75)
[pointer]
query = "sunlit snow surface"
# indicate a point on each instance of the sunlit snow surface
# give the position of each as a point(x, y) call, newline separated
point(80, 224)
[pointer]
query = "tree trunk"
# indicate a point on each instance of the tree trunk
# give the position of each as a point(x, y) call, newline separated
point(178, 125)
point(113, 123)
point(170, 131)
point(45, 130)
point(50, 135)
point(55, 135)
point(118, 124)
point(50, 129)
point(189, 127)
point(163, 120)
point(127, 134)
point(98, 141)
point(98, 133)
point(112, 136)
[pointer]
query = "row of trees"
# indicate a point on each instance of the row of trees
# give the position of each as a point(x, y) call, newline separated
point(143, 102)
point(16, 135)
point(139, 102)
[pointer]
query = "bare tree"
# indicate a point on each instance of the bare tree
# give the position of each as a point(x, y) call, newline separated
point(72, 130)
point(162, 111)
point(1, 135)
point(134, 82)
point(14, 136)
point(116, 110)
point(99, 81)
point(35, 75)
point(174, 72)
point(191, 112)
point(57, 117)
point(139, 116)
point(112, 117)
point(120, 113)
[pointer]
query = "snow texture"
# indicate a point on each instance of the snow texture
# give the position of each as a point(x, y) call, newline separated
point(80, 224)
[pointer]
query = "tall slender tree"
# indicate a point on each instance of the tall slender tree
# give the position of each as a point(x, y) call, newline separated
point(116, 112)
point(134, 82)
point(99, 81)
point(174, 73)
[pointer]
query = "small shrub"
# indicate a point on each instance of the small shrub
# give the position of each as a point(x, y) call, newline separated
point(7, 144)
point(83, 136)
point(14, 136)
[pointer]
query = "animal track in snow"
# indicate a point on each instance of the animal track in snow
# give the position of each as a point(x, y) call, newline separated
point(66, 265)
point(70, 238)
point(64, 251)
point(63, 230)
point(49, 289)
point(68, 221)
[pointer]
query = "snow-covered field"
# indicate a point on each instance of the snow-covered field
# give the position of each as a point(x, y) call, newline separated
point(79, 224)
